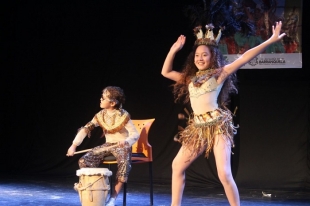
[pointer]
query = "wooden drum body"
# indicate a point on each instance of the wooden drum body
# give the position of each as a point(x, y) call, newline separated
point(93, 186)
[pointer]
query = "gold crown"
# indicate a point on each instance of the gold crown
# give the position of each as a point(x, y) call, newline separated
point(208, 37)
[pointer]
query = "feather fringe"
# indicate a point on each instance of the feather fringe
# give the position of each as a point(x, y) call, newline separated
point(200, 135)
point(120, 122)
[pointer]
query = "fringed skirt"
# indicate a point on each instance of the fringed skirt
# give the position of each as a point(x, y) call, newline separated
point(202, 129)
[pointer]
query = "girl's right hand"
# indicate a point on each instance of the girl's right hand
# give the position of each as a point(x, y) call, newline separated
point(178, 45)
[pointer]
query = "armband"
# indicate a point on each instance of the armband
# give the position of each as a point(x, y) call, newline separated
point(88, 127)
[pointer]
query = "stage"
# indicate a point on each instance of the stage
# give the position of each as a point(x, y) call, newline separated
point(41, 191)
point(58, 57)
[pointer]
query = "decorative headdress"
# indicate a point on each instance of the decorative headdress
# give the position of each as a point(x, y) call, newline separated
point(208, 37)
point(224, 16)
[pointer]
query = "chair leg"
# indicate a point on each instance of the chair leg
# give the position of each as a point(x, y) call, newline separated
point(151, 182)
point(124, 193)
point(111, 183)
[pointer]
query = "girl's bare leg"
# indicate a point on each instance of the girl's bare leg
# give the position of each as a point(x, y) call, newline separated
point(222, 153)
point(179, 165)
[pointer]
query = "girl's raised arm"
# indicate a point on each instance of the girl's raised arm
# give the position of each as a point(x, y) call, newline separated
point(251, 53)
point(168, 64)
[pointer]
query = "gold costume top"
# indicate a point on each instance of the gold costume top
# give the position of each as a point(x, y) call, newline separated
point(116, 126)
point(208, 86)
point(112, 123)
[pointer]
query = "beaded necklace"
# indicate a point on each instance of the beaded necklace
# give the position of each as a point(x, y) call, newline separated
point(114, 122)
point(109, 118)
point(202, 76)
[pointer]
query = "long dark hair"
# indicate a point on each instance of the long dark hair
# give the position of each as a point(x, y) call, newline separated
point(218, 61)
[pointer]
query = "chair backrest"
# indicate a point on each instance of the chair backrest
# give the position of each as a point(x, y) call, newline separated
point(142, 150)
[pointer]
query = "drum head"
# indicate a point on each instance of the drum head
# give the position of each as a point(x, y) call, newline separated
point(94, 171)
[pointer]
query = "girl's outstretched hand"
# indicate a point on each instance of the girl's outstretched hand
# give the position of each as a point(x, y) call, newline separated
point(276, 36)
point(178, 45)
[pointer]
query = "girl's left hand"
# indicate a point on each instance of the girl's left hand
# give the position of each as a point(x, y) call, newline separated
point(276, 36)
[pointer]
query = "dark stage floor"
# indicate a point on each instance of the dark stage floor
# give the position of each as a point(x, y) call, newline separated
point(34, 191)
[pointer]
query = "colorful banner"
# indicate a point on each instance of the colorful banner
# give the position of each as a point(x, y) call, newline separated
point(271, 61)
point(264, 13)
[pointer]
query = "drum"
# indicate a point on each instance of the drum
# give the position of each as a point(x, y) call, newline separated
point(93, 186)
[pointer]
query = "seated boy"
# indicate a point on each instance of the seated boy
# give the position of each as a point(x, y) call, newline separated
point(120, 134)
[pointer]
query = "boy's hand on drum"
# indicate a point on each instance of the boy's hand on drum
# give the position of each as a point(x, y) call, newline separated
point(71, 150)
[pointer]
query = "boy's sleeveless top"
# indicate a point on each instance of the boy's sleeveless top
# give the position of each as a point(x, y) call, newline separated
point(114, 123)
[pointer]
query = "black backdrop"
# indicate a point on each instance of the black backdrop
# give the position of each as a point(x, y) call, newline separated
point(58, 56)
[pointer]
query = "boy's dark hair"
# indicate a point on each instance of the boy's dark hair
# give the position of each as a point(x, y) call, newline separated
point(116, 94)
